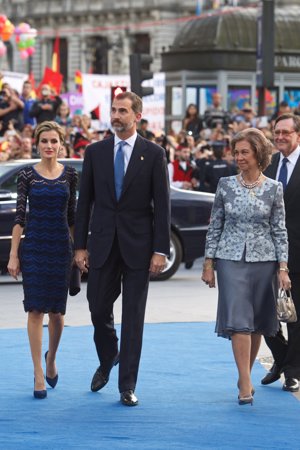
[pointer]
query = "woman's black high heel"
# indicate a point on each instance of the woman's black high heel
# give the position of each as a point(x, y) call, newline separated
point(51, 381)
point(246, 400)
point(39, 394)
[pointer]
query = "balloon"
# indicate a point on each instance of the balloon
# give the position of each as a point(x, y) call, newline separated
point(30, 42)
point(23, 37)
point(23, 54)
point(24, 27)
point(7, 30)
point(30, 51)
point(3, 19)
point(21, 45)
point(32, 33)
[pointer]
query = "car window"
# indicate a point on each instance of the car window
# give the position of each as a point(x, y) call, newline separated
point(4, 169)
point(10, 184)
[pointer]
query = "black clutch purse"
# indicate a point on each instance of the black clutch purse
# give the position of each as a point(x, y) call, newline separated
point(75, 281)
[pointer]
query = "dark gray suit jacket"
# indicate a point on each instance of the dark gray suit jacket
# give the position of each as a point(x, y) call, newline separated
point(292, 208)
point(141, 218)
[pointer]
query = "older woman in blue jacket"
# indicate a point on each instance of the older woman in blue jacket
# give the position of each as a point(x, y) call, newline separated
point(247, 242)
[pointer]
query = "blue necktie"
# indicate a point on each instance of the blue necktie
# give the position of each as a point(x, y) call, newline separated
point(283, 173)
point(119, 169)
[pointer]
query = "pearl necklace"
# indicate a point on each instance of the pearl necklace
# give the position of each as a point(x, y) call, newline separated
point(250, 185)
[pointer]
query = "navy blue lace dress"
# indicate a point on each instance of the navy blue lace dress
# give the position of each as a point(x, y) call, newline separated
point(46, 250)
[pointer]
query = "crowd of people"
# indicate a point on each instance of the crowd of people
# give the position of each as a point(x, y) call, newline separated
point(20, 113)
point(198, 155)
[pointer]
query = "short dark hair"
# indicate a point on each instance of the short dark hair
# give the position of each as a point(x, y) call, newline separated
point(137, 103)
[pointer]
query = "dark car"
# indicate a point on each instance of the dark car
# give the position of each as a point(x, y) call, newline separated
point(190, 214)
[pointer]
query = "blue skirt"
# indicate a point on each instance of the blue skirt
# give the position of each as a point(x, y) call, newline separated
point(247, 298)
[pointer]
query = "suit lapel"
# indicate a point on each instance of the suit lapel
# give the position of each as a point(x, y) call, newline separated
point(272, 168)
point(137, 160)
point(293, 184)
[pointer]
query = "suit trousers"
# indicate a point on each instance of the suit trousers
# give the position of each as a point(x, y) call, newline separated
point(286, 353)
point(104, 286)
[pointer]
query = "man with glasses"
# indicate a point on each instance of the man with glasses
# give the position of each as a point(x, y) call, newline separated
point(285, 167)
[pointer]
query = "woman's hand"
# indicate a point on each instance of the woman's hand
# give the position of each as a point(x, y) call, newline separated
point(13, 266)
point(208, 276)
point(284, 280)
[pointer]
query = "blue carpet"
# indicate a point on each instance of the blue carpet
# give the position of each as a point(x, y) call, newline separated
point(187, 391)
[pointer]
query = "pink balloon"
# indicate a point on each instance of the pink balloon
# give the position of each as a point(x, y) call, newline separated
point(30, 51)
point(23, 54)
point(24, 27)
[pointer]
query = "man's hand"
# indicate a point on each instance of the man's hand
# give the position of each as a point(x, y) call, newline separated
point(157, 264)
point(81, 259)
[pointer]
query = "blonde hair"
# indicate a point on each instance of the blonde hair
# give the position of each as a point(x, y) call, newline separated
point(49, 126)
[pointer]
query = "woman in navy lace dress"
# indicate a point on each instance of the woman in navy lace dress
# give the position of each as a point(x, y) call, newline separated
point(46, 251)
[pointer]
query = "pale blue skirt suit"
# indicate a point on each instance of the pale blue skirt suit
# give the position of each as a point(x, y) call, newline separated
point(247, 238)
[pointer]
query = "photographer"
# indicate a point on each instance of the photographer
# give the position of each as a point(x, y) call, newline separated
point(11, 109)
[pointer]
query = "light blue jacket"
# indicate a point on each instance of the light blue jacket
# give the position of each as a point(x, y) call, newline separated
point(248, 219)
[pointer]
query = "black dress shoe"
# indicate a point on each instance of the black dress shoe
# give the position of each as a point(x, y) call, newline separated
point(101, 376)
point(128, 398)
point(272, 375)
point(291, 385)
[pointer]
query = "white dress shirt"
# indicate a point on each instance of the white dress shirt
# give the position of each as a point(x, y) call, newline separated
point(127, 148)
point(292, 159)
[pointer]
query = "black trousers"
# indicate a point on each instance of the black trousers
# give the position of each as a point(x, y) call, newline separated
point(104, 287)
point(286, 353)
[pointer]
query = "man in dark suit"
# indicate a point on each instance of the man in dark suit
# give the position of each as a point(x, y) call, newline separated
point(130, 226)
point(285, 167)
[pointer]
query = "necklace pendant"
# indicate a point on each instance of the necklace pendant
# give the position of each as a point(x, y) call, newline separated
point(252, 193)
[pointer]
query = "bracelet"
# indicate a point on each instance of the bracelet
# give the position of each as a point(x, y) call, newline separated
point(283, 269)
point(208, 266)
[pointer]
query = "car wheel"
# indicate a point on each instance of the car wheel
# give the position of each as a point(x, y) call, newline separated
point(173, 261)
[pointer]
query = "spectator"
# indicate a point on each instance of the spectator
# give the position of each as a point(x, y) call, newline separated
point(181, 170)
point(28, 100)
point(143, 130)
point(217, 167)
point(192, 122)
point(26, 148)
point(202, 156)
point(45, 109)
point(163, 141)
point(11, 108)
point(248, 115)
point(284, 108)
point(79, 146)
point(63, 116)
point(215, 115)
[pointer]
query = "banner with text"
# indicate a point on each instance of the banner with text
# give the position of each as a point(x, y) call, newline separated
point(96, 91)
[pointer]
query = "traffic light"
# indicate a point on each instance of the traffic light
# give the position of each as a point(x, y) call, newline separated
point(139, 63)
point(116, 90)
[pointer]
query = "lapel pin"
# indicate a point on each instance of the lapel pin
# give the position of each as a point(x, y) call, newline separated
point(142, 158)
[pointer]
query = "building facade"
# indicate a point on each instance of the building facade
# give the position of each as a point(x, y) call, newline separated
point(96, 36)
